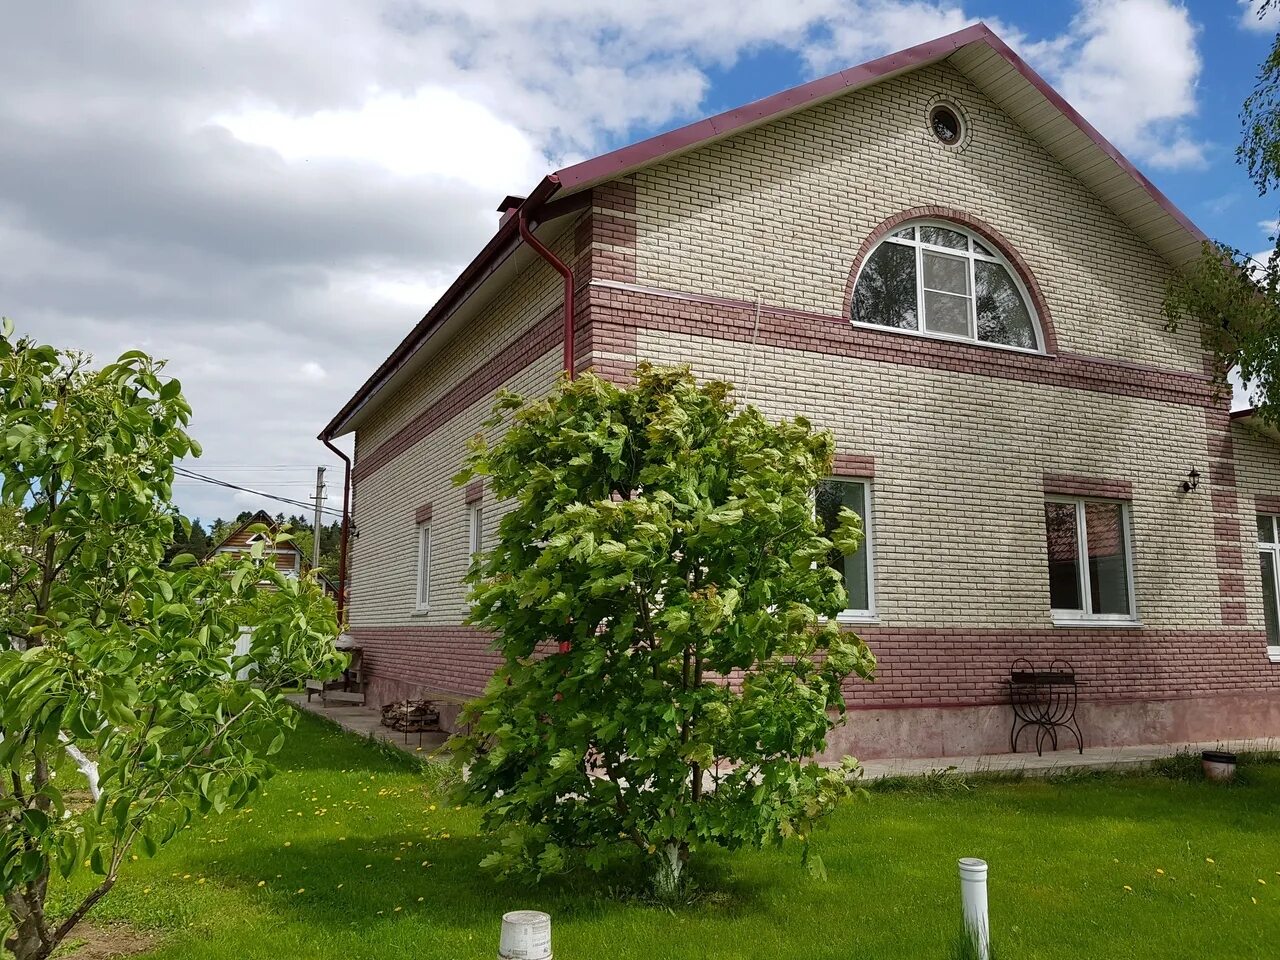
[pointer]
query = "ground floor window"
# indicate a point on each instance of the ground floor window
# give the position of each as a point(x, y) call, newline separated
point(475, 540)
point(1269, 555)
point(424, 566)
point(1090, 559)
point(830, 496)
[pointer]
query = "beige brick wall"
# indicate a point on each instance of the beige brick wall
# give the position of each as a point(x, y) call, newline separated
point(781, 211)
point(384, 555)
point(958, 488)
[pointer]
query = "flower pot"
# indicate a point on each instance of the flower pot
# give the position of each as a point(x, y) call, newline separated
point(1218, 765)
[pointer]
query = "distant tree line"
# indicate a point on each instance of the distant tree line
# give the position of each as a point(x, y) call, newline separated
point(199, 541)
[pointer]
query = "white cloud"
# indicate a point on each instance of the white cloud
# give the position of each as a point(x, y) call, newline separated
point(272, 192)
point(434, 132)
point(1131, 68)
point(880, 26)
point(1249, 19)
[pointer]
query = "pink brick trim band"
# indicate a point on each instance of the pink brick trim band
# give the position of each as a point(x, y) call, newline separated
point(422, 514)
point(618, 308)
point(1074, 485)
point(853, 465)
point(475, 491)
point(918, 665)
point(1267, 503)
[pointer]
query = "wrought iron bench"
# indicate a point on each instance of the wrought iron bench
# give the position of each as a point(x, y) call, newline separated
point(1044, 699)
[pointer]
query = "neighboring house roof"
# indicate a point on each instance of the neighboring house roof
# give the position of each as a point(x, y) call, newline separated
point(975, 51)
point(238, 540)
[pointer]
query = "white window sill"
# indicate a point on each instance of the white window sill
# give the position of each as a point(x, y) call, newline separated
point(1097, 622)
point(946, 338)
point(857, 616)
point(1273, 654)
point(421, 611)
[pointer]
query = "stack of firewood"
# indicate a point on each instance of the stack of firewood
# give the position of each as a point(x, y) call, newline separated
point(410, 716)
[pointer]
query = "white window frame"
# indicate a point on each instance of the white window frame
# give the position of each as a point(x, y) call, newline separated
point(969, 254)
point(852, 615)
point(1077, 618)
point(1273, 548)
point(423, 585)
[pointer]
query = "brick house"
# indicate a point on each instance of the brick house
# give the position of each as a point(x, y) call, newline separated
point(933, 256)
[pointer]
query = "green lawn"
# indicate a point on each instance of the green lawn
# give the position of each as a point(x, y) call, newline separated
point(347, 855)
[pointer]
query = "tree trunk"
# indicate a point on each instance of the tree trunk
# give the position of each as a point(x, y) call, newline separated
point(670, 865)
point(26, 943)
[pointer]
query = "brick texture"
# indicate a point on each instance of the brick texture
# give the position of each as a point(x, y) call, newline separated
point(736, 259)
point(781, 211)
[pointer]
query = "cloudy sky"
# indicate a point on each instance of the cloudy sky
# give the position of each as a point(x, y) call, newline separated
point(271, 194)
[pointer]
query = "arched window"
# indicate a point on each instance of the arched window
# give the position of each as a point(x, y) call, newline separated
point(940, 279)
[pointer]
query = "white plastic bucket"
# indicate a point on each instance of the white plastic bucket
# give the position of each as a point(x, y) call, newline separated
point(526, 935)
point(973, 899)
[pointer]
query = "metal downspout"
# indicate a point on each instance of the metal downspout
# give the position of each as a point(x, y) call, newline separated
point(559, 266)
point(346, 527)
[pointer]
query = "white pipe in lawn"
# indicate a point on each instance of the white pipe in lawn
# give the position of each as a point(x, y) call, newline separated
point(526, 935)
point(973, 899)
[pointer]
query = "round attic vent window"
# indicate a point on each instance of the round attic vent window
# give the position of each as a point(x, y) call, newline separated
point(945, 124)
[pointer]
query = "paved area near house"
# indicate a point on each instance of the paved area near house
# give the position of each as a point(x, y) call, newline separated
point(1093, 758)
point(367, 721)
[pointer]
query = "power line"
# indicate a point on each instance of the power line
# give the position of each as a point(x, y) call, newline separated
point(192, 475)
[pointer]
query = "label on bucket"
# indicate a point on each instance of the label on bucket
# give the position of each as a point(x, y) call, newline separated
point(526, 935)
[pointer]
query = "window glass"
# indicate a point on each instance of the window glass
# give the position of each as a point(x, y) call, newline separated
point(424, 564)
point(1266, 529)
point(948, 274)
point(1002, 316)
point(1089, 559)
point(1270, 597)
point(477, 529)
point(1108, 558)
point(886, 291)
point(946, 313)
point(942, 237)
point(908, 283)
point(1064, 553)
point(830, 496)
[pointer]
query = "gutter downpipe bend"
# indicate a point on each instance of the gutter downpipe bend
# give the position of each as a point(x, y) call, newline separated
point(346, 527)
point(559, 266)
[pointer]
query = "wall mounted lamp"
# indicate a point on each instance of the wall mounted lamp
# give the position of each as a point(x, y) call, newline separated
point(1192, 483)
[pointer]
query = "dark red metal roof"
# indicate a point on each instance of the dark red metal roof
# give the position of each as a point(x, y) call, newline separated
point(617, 162)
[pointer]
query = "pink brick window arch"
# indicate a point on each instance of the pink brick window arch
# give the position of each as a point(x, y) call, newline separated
point(979, 227)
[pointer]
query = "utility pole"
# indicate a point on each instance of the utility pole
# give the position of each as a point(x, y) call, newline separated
point(315, 523)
